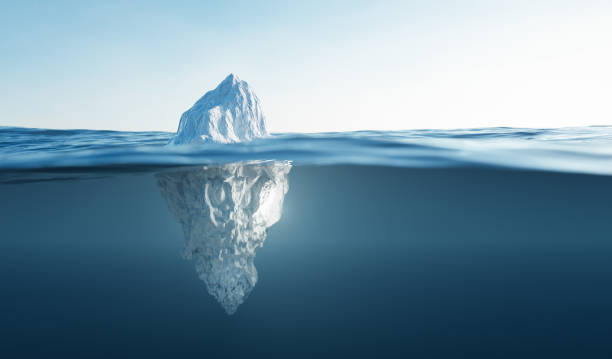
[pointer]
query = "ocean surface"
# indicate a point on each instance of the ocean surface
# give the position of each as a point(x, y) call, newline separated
point(488, 243)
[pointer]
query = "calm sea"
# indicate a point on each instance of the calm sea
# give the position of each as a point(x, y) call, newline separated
point(488, 243)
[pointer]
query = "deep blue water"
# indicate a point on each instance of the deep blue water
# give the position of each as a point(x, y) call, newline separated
point(492, 243)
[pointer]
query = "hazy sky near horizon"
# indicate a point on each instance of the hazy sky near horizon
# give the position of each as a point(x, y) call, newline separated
point(316, 65)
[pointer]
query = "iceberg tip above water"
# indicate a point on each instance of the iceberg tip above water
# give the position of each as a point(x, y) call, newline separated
point(229, 113)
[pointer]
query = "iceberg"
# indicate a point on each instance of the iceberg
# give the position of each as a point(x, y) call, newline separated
point(229, 113)
point(225, 211)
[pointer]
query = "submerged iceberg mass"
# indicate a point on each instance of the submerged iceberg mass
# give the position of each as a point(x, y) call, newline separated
point(229, 113)
point(225, 211)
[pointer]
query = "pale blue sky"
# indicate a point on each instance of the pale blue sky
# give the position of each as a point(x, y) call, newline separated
point(316, 65)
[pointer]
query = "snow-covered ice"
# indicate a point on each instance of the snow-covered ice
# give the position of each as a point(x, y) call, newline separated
point(229, 113)
point(225, 211)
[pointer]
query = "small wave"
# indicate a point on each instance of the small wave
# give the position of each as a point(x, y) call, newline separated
point(580, 149)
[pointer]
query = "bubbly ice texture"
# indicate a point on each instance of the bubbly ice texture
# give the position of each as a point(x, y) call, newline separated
point(229, 113)
point(225, 211)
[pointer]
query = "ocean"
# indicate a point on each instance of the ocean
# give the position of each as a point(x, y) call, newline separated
point(492, 243)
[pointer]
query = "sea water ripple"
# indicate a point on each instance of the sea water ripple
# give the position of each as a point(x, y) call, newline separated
point(577, 149)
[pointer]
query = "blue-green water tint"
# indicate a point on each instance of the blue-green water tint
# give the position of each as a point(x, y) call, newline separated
point(582, 149)
point(365, 261)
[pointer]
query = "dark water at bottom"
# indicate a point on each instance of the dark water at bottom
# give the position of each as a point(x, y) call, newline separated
point(364, 262)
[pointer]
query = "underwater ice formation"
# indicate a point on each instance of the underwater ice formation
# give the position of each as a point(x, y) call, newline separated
point(225, 211)
point(229, 113)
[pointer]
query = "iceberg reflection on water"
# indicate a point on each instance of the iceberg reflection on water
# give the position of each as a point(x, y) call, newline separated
point(225, 211)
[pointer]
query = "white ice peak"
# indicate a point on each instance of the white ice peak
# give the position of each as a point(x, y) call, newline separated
point(229, 113)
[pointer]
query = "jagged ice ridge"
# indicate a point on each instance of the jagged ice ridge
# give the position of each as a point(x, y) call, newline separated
point(229, 113)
